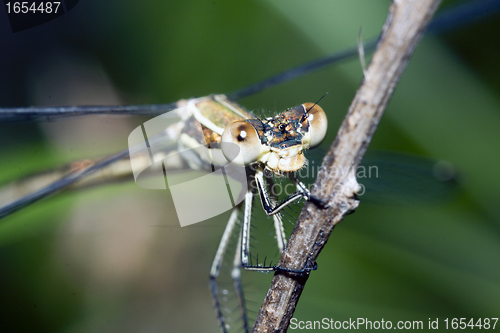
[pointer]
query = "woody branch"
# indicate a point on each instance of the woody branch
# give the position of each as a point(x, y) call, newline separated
point(403, 28)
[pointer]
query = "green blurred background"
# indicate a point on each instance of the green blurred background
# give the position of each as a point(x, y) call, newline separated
point(114, 259)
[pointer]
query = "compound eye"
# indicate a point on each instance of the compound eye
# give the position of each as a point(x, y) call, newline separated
point(241, 138)
point(318, 123)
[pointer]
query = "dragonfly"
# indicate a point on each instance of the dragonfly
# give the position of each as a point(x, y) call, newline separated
point(83, 170)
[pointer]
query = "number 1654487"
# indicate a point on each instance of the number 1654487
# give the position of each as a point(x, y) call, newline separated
point(47, 7)
point(463, 323)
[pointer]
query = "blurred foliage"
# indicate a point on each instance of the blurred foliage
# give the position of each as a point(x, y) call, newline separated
point(111, 259)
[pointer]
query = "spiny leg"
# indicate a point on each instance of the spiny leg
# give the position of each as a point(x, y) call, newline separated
point(278, 221)
point(245, 233)
point(267, 200)
point(301, 187)
point(217, 263)
point(267, 204)
point(242, 254)
point(236, 276)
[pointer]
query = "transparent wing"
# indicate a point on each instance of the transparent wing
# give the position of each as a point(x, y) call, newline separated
point(22, 193)
point(390, 178)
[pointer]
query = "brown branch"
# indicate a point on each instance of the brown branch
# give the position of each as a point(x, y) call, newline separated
point(336, 182)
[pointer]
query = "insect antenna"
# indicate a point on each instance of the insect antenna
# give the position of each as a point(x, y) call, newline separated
point(317, 102)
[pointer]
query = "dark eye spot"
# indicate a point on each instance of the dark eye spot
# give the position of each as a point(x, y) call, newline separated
point(282, 127)
point(242, 133)
point(242, 136)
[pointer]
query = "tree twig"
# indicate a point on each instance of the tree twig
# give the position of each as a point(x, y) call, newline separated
point(336, 183)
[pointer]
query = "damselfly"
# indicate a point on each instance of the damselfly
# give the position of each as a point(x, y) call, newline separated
point(182, 269)
point(269, 146)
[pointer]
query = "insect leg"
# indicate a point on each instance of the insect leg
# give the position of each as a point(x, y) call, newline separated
point(236, 276)
point(245, 229)
point(216, 265)
point(278, 222)
point(245, 235)
point(301, 188)
point(266, 201)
